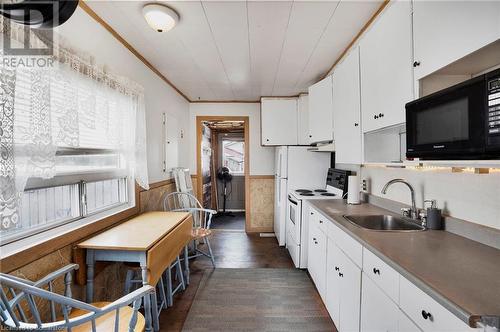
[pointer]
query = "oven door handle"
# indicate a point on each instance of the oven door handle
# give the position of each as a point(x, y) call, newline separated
point(291, 200)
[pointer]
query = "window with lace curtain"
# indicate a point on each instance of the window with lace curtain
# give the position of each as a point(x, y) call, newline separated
point(73, 145)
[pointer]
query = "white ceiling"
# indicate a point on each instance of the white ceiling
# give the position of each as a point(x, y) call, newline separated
point(242, 50)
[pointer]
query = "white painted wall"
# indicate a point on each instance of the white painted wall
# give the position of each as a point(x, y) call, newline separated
point(261, 158)
point(468, 196)
point(86, 35)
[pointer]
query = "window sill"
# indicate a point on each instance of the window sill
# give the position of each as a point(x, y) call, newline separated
point(24, 251)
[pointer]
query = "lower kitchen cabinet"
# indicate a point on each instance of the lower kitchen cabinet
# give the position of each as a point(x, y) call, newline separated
point(343, 289)
point(333, 282)
point(378, 312)
point(316, 258)
point(405, 324)
point(350, 293)
point(363, 293)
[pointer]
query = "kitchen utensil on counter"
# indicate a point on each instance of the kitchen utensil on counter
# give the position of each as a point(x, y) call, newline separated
point(353, 189)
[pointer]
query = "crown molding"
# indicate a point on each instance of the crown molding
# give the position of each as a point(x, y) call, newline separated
point(355, 39)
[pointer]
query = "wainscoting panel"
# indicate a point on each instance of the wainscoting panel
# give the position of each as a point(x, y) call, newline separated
point(261, 203)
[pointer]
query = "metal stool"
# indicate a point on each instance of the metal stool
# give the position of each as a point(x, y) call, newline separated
point(165, 288)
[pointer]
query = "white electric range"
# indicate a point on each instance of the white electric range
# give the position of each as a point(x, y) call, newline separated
point(297, 228)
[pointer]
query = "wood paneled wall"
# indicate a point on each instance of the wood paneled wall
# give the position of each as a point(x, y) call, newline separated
point(261, 203)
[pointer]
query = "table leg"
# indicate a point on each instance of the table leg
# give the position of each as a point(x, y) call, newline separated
point(186, 263)
point(150, 305)
point(90, 275)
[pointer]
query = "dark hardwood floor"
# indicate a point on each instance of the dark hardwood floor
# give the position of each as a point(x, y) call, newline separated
point(232, 249)
point(234, 221)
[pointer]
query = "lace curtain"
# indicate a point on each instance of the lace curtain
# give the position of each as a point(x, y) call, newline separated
point(73, 104)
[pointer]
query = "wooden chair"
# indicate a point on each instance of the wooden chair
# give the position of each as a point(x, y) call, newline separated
point(202, 219)
point(20, 299)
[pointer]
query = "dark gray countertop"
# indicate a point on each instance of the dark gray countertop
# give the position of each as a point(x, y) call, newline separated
point(460, 274)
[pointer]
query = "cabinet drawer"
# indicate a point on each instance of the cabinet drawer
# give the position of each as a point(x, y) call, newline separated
point(352, 248)
point(382, 274)
point(426, 312)
point(318, 220)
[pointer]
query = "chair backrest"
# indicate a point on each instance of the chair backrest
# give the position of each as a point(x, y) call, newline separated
point(21, 299)
point(178, 201)
point(182, 179)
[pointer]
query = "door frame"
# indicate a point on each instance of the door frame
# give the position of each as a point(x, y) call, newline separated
point(246, 135)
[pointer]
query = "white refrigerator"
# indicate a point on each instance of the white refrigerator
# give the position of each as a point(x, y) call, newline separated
point(295, 168)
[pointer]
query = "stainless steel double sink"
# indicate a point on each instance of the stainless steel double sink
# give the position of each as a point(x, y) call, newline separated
point(385, 223)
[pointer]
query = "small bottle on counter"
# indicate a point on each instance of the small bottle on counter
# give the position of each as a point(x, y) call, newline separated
point(434, 217)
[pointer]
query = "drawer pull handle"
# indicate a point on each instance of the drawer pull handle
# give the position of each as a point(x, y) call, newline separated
point(376, 271)
point(321, 221)
point(341, 275)
point(336, 268)
point(315, 242)
point(314, 239)
point(426, 314)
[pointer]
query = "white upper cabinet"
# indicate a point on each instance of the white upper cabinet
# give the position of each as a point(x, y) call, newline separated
point(386, 67)
point(303, 120)
point(445, 31)
point(279, 121)
point(346, 110)
point(321, 111)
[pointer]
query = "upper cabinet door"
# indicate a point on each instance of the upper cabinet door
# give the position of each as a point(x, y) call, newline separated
point(346, 110)
point(303, 120)
point(445, 31)
point(321, 111)
point(386, 68)
point(279, 121)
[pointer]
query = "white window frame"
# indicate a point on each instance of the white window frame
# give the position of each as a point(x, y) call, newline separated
point(84, 217)
point(234, 139)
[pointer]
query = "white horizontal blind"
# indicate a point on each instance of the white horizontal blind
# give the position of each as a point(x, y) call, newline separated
point(47, 207)
point(101, 195)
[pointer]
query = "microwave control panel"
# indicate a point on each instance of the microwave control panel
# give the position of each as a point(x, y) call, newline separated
point(494, 106)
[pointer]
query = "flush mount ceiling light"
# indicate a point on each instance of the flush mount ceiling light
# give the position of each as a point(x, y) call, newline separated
point(160, 17)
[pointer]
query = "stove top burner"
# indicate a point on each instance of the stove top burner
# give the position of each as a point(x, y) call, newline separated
point(320, 190)
point(306, 191)
point(328, 194)
point(306, 194)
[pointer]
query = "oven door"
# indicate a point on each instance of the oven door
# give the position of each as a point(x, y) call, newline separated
point(293, 218)
point(449, 124)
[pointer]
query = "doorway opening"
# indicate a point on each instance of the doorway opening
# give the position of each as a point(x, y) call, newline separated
point(223, 169)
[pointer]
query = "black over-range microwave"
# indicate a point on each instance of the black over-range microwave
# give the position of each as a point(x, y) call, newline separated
point(460, 122)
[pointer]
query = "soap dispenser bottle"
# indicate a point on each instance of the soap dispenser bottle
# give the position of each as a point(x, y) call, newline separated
point(434, 217)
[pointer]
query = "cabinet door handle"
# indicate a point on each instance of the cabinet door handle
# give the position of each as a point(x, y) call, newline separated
point(416, 64)
point(341, 275)
point(267, 139)
point(376, 271)
point(426, 314)
point(315, 242)
point(314, 239)
point(375, 117)
point(336, 268)
point(356, 124)
point(320, 221)
point(381, 115)
point(310, 136)
point(312, 213)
